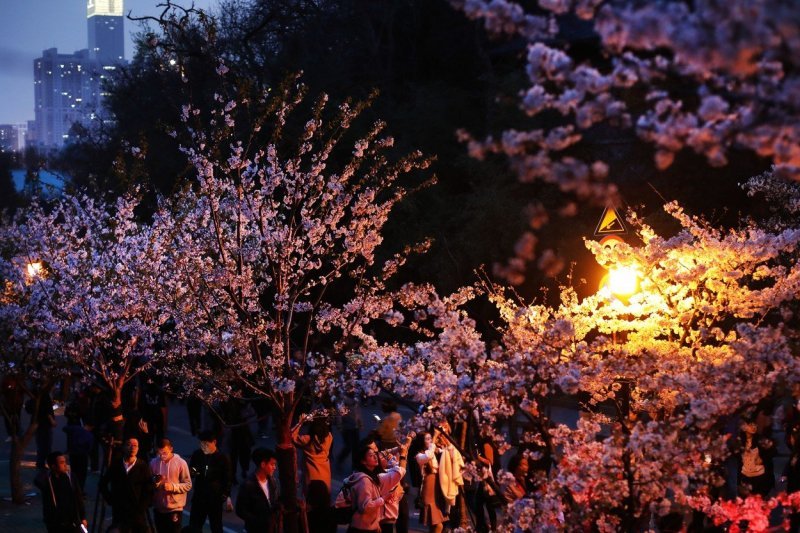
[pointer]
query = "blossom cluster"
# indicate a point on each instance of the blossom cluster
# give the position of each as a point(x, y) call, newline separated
point(709, 77)
point(656, 379)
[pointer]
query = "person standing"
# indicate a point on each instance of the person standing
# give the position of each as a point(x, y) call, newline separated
point(258, 500)
point(350, 425)
point(194, 408)
point(755, 453)
point(62, 498)
point(486, 495)
point(153, 406)
point(519, 487)
point(370, 489)
point(45, 422)
point(172, 482)
point(211, 478)
point(128, 487)
point(241, 437)
point(79, 446)
point(395, 509)
point(434, 507)
point(316, 448)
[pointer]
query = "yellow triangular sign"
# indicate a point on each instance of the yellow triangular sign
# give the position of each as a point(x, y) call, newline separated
point(610, 223)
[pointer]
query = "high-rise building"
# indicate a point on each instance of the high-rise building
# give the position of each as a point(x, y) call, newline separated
point(69, 88)
point(62, 89)
point(9, 140)
point(106, 33)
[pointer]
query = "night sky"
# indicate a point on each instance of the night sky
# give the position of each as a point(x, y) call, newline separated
point(29, 26)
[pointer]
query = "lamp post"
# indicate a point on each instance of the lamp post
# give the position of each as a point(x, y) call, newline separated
point(621, 281)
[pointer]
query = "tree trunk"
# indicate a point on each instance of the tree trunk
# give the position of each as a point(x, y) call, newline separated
point(18, 445)
point(462, 517)
point(287, 467)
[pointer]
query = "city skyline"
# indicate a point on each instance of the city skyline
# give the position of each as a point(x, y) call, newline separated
point(29, 28)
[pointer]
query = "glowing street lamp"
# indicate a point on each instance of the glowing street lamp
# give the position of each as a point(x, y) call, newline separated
point(34, 269)
point(622, 281)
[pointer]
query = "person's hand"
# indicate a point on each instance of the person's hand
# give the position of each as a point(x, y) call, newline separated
point(228, 504)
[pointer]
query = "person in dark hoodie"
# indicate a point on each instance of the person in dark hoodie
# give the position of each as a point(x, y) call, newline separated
point(79, 446)
point(128, 487)
point(211, 479)
point(258, 501)
point(62, 498)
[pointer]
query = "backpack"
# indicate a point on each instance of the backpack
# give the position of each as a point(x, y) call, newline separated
point(343, 507)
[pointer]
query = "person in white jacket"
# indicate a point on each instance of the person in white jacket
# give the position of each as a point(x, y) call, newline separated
point(172, 482)
point(435, 508)
point(370, 489)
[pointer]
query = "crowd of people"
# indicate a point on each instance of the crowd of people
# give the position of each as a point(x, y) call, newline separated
point(146, 485)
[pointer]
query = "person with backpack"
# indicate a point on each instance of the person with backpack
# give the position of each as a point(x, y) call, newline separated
point(369, 489)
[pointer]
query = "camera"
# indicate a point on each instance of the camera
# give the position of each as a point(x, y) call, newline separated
point(156, 479)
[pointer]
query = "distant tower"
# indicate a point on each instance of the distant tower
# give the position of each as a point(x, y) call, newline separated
point(106, 33)
point(70, 88)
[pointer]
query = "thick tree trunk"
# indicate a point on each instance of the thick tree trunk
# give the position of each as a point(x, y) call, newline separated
point(287, 467)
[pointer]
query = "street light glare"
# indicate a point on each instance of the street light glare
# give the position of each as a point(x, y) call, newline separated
point(623, 280)
point(34, 269)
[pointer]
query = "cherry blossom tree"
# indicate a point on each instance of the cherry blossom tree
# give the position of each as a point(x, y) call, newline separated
point(657, 378)
point(30, 362)
point(273, 252)
point(97, 297)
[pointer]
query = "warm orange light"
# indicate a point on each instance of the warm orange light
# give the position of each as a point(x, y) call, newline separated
point(621, 281)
